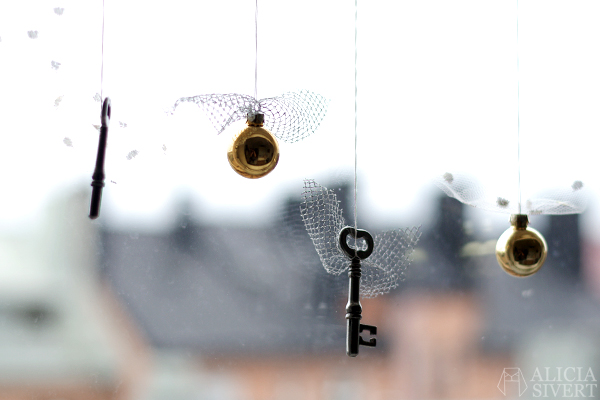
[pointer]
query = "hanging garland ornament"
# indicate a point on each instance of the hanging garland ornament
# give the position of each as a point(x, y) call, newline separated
point(254, 151)
point(520, 250)
point(290, 117)
point(389, 254)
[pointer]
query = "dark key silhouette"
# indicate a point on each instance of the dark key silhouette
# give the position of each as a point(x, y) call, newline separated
point(98, 175)
point(354, 308)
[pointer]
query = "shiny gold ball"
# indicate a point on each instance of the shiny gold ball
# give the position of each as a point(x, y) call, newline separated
point(254, 151)
point(521, 251)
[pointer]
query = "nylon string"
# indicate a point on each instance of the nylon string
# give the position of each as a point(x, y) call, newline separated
point(355, 116)
point(256, 51)
point(518, 113)
point(102, 60)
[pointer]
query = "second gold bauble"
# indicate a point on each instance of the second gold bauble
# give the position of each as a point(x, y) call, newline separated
point(521, 251)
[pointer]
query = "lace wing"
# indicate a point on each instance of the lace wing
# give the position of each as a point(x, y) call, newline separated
point(323, 220)
point(222, 109)
point(294, 115)
point(468, 190)
point(561, 199)
point(387, 265)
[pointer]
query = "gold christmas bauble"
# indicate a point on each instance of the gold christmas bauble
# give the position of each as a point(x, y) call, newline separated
point(254, 151)
point(521, 251)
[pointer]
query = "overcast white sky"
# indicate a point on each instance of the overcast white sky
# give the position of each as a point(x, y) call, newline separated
point(437, 91)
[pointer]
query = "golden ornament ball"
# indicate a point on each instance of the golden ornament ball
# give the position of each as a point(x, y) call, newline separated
point(521, 251)
point(254, 151)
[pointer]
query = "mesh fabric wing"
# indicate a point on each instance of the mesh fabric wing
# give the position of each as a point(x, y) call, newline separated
point(222, 109)
point(563, 199)
point(392, 253)
point(323, 220)
point(294, 116)
point(387, 264)
point(291, 117)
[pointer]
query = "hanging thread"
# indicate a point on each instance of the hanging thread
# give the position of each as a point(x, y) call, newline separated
point(102, 57)
point(355, 114)
point(256, 51)
point(518, 114)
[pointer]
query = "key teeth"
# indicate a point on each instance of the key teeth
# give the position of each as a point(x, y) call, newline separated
point(371, 328)
point(372, 331)
point(371, 343)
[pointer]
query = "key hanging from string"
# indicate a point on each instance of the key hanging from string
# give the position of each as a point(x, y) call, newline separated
point(374, 268)
point(389, 253)
point(291, 117)
point(98, 175)
point(520, 251)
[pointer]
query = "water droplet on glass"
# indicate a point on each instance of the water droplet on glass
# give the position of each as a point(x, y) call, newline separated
point(502, 202)
point(132, 154)
point(577, 185)
point(527, 293)
point(448, 177)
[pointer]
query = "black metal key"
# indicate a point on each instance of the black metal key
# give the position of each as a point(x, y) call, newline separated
point(98, 175)
point(354, 309)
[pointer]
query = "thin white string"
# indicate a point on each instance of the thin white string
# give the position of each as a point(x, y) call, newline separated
point(518, 113)
point(256, 51)
point(355, 115)
point(102, 60)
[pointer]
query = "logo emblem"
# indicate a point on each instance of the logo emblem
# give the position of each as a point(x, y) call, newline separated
point(512, 375)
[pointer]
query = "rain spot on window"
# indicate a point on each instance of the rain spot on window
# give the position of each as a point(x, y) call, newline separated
point(527, 293)
point(68, 142)
point(502, 202)
point(448, 177)
point(55, 64)
point(32, 34)
point(59, 10)
point(57, 101)
point(122, 124)
point(577, 185)
point(97, 97)
point(132, 154)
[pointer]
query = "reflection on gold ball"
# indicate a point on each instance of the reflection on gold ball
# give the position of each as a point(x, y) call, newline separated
point(521, 251)
point(254, 151)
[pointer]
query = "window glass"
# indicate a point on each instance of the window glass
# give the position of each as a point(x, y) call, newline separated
point(197, 283)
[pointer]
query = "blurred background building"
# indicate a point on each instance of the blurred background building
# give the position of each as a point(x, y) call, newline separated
point(237, 312)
